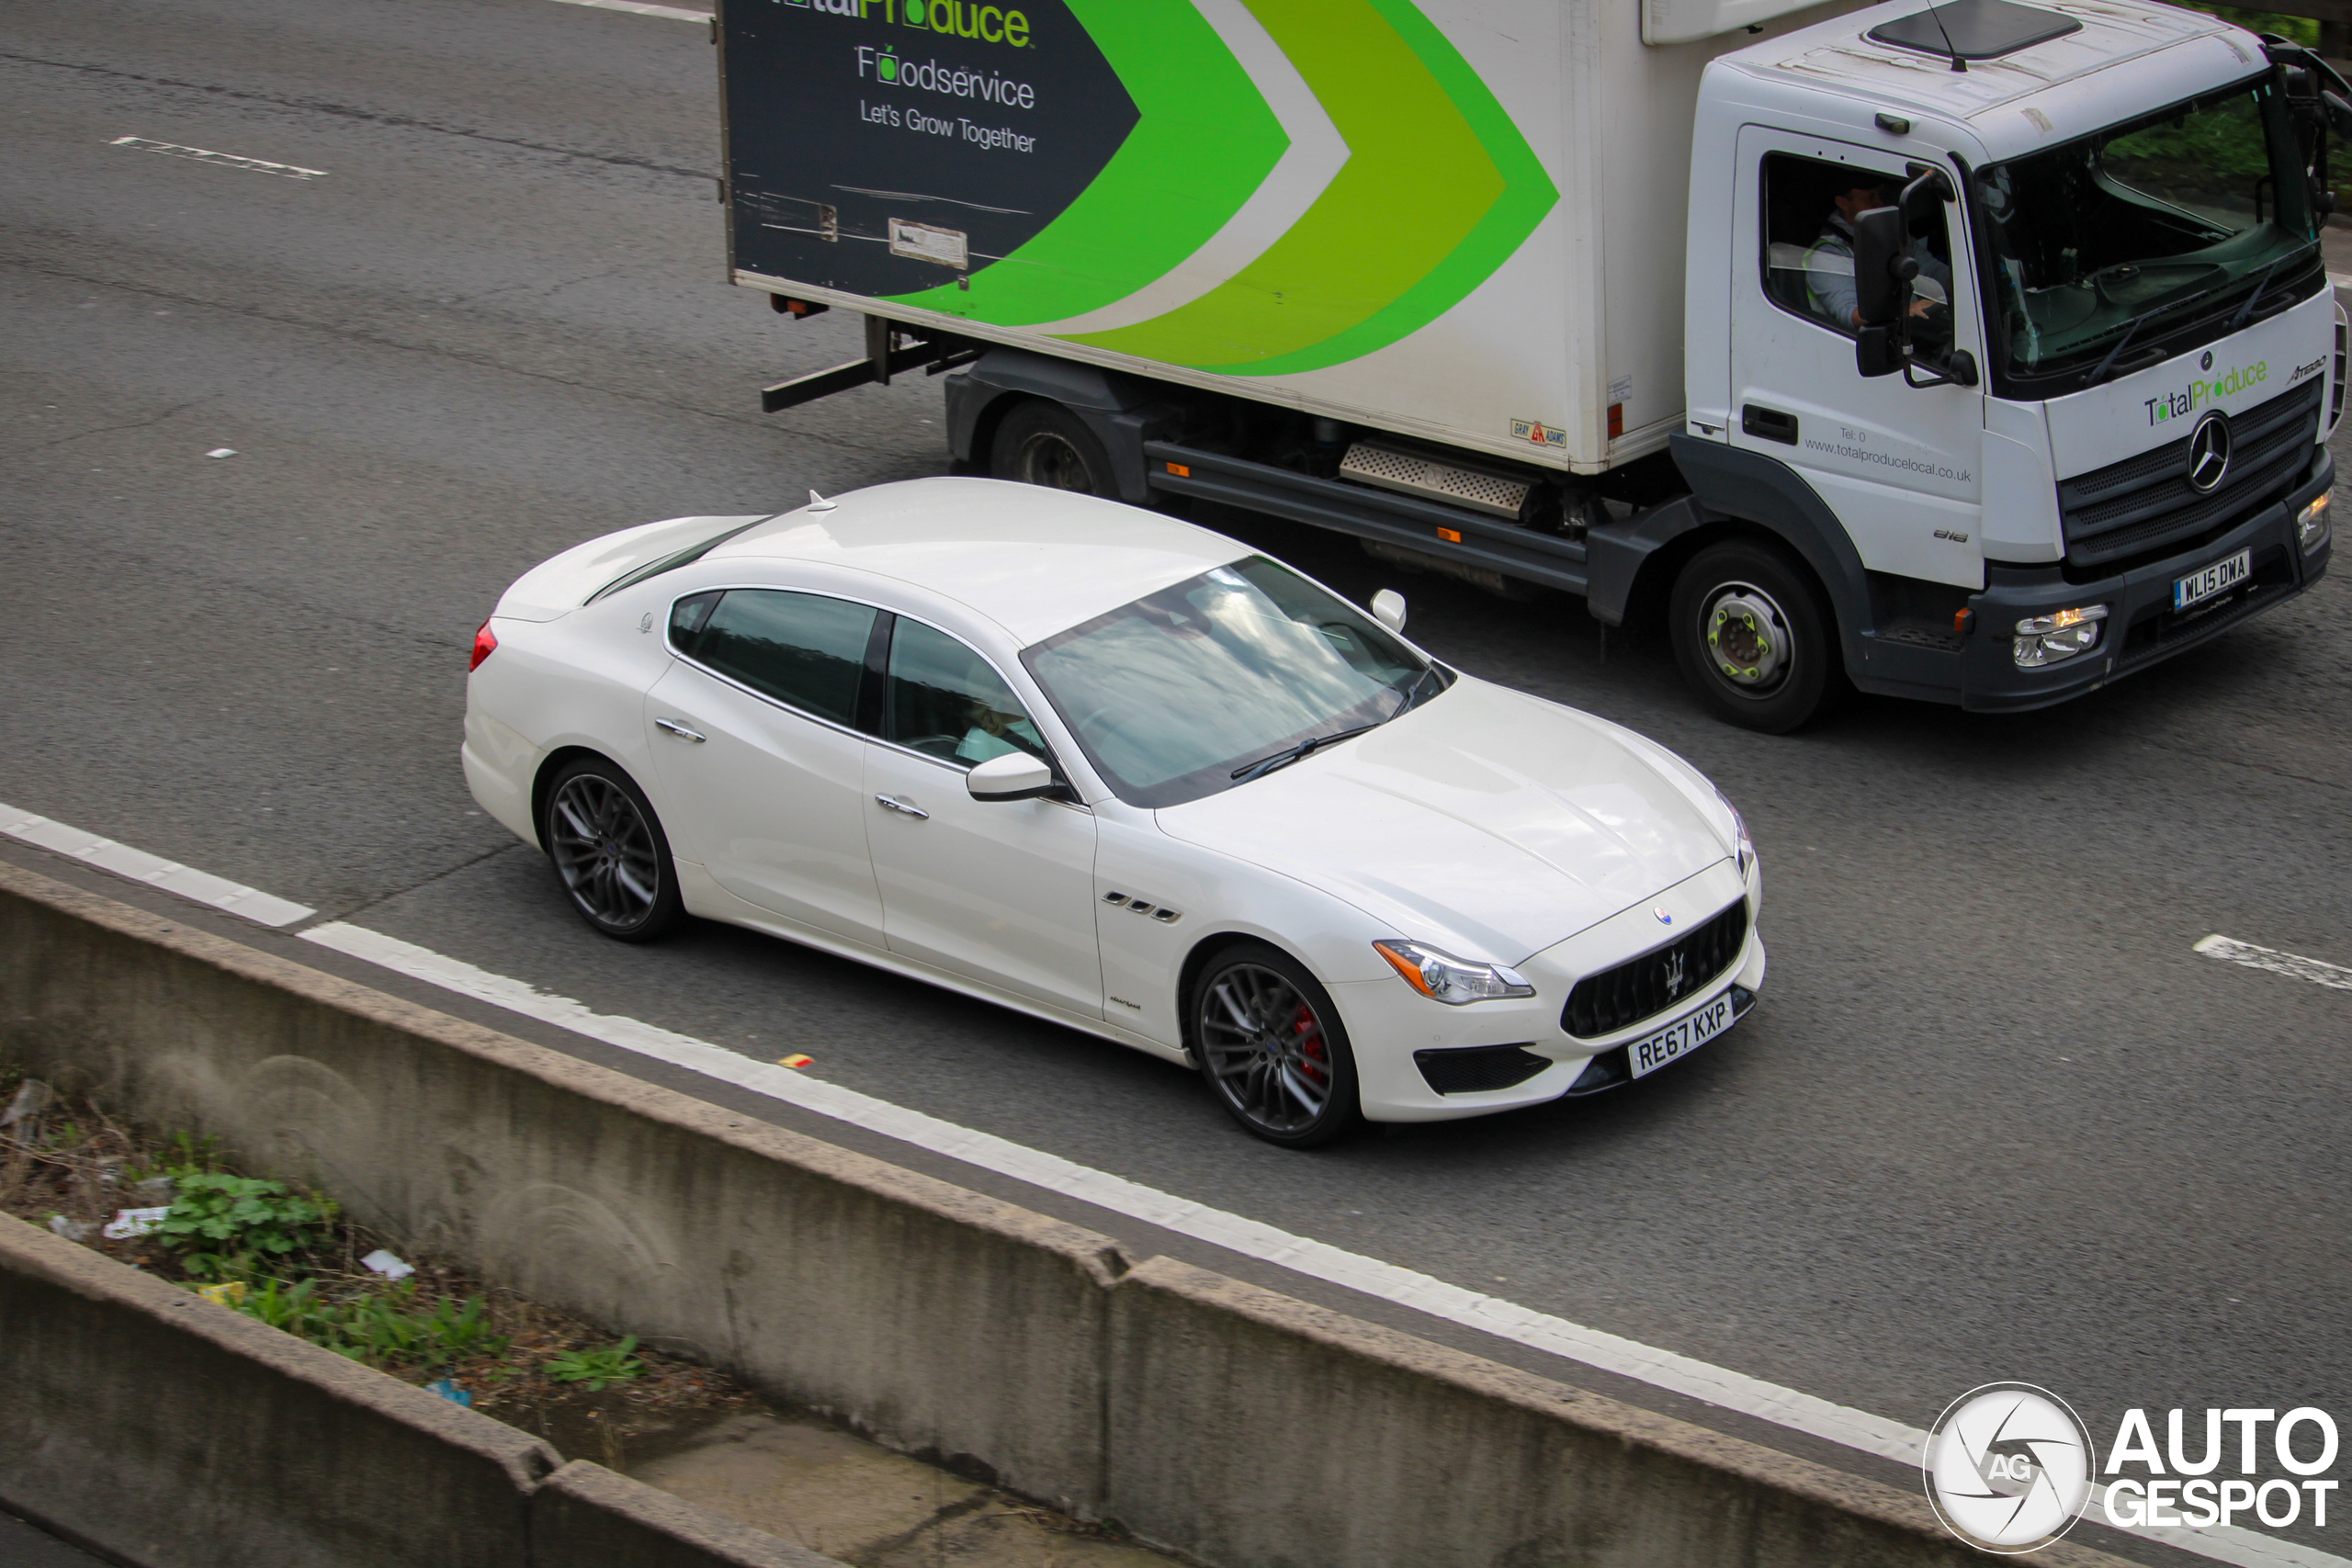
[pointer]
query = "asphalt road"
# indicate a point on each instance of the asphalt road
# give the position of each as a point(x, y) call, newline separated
point(1995, 1120)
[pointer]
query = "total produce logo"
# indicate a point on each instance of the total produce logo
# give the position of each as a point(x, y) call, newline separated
point(955, 18)
point(2199, 393)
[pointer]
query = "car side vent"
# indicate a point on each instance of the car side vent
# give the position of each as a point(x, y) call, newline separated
point(1469, 1069)
point(1160, 912)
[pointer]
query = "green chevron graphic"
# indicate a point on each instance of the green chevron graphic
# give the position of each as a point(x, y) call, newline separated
point(1439, 189)
point(1205, 141)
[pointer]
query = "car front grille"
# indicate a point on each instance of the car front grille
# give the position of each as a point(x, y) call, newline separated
point(1619, 998)
point(1469, 1069)
point(2145, 505)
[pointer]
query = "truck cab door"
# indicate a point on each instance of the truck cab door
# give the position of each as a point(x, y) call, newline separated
point(1898, 465)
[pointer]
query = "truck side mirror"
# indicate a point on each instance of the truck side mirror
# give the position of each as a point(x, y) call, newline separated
point(2339, 115)
point(1883, 273)
point(1877, 352)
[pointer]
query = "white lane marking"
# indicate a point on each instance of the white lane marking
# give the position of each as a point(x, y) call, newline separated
point(153, 870)
point(676, 13)
point(1489, 1315)
point(227, 160)
point(2341, 279)
point(2230, 949)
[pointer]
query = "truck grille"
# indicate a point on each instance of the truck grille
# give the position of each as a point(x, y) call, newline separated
point(2145, 505)
point(1618, 999)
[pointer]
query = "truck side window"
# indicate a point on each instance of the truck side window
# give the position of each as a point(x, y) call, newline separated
point(1809, 205)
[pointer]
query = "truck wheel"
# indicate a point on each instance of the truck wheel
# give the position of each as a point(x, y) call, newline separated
point(1752, 636)
point(1041, 443)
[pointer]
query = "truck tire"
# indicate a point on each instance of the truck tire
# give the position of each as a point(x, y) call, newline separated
point(1753, 636)
point(1041, 443)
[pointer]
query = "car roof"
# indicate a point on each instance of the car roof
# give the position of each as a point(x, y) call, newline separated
point(1036, 561)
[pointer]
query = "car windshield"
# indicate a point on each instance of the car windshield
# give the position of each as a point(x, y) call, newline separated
point(1175, 694)
point(2142, 231)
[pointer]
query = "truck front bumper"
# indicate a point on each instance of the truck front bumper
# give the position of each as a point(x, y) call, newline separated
point(2141, 627)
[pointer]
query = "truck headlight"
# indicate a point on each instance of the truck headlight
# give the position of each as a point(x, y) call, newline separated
point(2057, 636)
point(2312, 526)
point(1453, 981)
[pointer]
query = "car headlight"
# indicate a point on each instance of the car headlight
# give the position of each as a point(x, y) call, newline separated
point(1745, 845)
point(2310, 524)
point(2057, 636)
point(1453, 981)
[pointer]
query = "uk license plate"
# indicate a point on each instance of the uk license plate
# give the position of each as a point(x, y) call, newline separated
point(2219, 578)
point(1681, 1037)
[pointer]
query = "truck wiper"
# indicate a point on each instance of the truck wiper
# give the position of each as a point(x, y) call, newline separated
point(1286, 757)
point(2259, 285)
point(2100, 375)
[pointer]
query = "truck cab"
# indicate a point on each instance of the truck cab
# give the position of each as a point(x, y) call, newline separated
point(2103, 439)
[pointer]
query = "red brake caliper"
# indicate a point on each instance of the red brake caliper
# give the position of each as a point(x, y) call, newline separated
point(1303, 1026)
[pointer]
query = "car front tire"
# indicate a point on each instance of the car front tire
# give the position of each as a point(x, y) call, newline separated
point(1272, 1047)
point(609, 853)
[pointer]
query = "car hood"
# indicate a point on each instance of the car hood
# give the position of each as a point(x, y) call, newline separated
point(1489, 822)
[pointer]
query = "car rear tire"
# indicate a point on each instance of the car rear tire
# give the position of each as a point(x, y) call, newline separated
point(609, 853)
point(1754, 637)
point(1041, 443)
point(1272, 1047)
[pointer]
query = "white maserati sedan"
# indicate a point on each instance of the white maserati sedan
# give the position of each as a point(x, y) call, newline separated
point(1125, 774)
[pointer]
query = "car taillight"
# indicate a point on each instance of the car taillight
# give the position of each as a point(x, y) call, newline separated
point(485, 644)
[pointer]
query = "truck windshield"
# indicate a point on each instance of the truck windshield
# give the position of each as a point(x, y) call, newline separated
point(2146, 233)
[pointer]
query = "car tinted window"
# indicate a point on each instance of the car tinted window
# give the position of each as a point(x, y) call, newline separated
point(801, 648)
point(947, 701)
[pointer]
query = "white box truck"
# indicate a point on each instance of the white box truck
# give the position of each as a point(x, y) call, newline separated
point(1980, 352)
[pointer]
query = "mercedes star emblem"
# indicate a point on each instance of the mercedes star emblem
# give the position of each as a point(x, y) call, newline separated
point(2209, 452)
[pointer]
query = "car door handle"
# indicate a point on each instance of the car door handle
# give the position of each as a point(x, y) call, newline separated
point(903, 808)
point(680, 730)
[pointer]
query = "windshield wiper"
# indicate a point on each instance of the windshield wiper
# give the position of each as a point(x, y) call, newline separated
point(2100, 373)
point(1413, 692)
point(2259, 285)
point(1288, 755)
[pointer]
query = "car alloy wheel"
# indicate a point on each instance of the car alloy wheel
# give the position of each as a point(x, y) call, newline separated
point(1272, 1049)
point(611, 855)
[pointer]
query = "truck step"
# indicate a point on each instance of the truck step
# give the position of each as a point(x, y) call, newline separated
point(1411, 473)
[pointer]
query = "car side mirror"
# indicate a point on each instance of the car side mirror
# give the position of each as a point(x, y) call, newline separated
point(1016, 775)
point(1388, 609)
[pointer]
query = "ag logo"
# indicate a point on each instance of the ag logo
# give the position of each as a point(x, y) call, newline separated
point(2009, 1467)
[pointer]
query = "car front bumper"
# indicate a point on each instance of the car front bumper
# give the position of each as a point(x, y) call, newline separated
point(1392, 1030)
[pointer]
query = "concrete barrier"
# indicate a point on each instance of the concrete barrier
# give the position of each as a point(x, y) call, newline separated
point(150, 1424)
point(1231, 1424)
